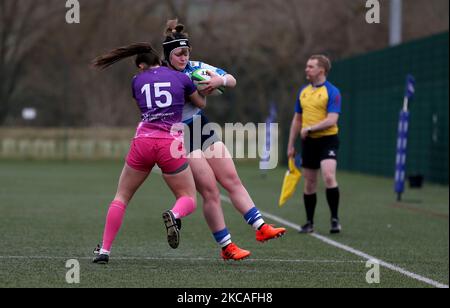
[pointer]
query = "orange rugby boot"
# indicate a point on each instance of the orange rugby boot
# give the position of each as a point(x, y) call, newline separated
point(268, 232)
point(233, 252)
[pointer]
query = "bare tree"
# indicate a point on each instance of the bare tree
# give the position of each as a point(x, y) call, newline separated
point(22, 25)
point(178, 9)
point(265, 44)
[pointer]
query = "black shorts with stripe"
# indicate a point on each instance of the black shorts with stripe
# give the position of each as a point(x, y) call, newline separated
point(315, 150)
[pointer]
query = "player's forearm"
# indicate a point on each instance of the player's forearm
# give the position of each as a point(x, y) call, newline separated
point(229, 81)
point(330, 121)
point(294, 132)
point(322, 126)
point(198, 100)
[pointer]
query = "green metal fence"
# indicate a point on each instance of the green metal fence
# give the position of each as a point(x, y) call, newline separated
point(372, 87)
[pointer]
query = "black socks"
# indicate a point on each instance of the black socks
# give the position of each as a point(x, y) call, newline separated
point(310, 206)
point(333, 201)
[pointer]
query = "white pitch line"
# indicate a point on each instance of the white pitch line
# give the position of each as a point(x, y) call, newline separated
point(351, 250)
point(177, 259)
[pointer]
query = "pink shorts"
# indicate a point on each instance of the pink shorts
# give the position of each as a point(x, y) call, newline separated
point(146, 152)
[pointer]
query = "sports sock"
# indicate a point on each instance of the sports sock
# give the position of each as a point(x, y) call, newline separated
point(104, 252)
point(183, 207)
point(114, 220)
point(223, 238)
point(333, 201)
point(310, 206)
point(254, 218)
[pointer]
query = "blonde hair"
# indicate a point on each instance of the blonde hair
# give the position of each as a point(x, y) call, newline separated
point(323, 62)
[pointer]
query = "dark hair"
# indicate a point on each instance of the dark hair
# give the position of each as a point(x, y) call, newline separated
point(144, 51)
point(175, 37)
point(174, 31)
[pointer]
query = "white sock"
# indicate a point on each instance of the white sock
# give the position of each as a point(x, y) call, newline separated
point(226, 243)
point(104, 252)
point(258, 224)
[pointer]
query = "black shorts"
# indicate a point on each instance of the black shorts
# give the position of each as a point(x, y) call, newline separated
point(315, 150)
point(195, 140)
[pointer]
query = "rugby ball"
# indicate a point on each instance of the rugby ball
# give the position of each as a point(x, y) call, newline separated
point(202, 75)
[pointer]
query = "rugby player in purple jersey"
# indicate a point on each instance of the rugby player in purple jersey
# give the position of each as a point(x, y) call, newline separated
point(160, 94)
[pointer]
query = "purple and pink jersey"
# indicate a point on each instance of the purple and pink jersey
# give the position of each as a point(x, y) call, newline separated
point(161, 94)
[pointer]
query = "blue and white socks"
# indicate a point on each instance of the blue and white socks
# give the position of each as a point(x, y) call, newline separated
point(254, 218)
point(223, 237)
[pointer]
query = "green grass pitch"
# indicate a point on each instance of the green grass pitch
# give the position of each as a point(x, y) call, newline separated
point(51, 212)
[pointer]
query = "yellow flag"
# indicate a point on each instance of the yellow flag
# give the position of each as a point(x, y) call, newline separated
point(290, 182)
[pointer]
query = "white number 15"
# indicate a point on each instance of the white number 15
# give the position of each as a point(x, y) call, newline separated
point(158, 94)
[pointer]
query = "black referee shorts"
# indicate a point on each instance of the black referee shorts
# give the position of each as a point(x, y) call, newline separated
point(315, 150)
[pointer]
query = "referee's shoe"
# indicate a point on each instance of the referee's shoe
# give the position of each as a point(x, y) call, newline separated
point(307, 228)
point(335, 226)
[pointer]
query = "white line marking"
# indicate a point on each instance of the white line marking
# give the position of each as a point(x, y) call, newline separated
point(351, 250)
point(178, 259)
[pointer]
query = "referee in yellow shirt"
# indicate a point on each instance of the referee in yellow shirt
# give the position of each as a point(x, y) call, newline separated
point(316, 116)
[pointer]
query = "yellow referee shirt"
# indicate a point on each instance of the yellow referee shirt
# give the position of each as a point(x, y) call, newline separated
point(314, 104)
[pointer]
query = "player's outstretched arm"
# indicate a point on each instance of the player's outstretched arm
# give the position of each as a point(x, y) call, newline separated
point(198, 100)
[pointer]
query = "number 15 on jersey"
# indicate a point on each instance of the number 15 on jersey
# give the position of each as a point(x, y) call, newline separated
point(159, 94)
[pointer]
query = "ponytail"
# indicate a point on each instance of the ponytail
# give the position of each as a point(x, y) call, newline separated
point(174, 30)
point(144, 51)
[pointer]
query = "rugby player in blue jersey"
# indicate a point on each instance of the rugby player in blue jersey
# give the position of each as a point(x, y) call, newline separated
point(209, 169)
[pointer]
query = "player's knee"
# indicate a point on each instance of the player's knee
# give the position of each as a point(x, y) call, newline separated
point(310, 185)
point(231, 183)
point(329, 179)
point(209, 192)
